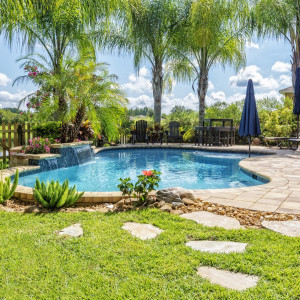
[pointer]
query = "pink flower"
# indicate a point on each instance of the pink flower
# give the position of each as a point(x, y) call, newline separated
point(21, 113)
point(34, 73)
point(30, 74)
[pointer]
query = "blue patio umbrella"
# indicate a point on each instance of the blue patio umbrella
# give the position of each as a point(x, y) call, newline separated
point(249, 125)
point(296, 109)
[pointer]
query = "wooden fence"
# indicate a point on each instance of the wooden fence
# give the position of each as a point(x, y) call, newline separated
point(13, 135)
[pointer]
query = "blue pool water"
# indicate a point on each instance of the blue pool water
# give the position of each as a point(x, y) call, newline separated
point(184, 168)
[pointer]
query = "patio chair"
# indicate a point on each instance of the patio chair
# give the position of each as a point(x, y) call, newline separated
point(139, 135)
point(174, 135)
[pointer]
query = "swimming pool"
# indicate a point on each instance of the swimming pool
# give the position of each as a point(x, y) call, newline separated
point(189, 169)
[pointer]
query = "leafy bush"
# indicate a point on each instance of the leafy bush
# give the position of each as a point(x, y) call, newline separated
point(54, 195)
point(37, 146)
point(50, 130)
point(277, 118)
point(140, 190)
point(7, 191)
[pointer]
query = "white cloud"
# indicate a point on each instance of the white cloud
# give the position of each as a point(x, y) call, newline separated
point(4, 80)
point(11, 100)
point(285, 80)
point(271, 94)
point(252, 45)
point(252, 72)
point(218, 96)
point(139, 84)
point(281, 67)
point(144, 72)
point(211, 86)
point(140, 101)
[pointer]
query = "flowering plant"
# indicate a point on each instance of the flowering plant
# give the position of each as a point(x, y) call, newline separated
point(145, 184)
point(37, 146)
point(37, 99)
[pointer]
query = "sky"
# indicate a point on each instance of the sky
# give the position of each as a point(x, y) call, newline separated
point(268, 65)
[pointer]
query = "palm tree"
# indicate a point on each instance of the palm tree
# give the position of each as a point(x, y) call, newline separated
point(152, 26)
point(280, 19)
point(215, 35)
point(87, 88)
point(56, 27)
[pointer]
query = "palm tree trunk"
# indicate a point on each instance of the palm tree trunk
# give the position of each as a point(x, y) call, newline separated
point(77, 123)
point(202, 91)
point(157, 86)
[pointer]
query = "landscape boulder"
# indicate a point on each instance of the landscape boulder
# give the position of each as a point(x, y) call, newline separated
point(175, 194)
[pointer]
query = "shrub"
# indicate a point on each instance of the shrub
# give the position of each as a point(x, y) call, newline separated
point(140, 190)
point(54, 195)
point(7, 191)
point(50, 130)
point(37, 146)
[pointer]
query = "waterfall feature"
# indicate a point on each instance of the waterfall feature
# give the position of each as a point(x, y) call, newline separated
point(70, 156)
point(84, 154)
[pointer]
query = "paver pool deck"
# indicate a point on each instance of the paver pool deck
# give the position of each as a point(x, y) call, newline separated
point(281, 194)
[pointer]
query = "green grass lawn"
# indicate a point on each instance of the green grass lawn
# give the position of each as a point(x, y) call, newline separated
point(108, 263)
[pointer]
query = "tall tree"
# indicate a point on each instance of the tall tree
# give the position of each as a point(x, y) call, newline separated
point(56, 27)
point(215, 35)
point(280, 19)
point(152, 26)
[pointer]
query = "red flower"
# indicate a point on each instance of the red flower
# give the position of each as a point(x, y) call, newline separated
point(147, 173)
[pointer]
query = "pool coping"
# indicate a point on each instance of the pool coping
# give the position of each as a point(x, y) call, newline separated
point(258, 197)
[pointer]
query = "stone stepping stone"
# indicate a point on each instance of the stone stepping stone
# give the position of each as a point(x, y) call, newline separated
point(142, 231)
point(217, 246)
point(236, 281)
point(209, 219)
point(74, 230)
point(288, 228)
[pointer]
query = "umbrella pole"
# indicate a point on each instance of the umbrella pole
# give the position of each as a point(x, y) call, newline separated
point(297, 126)
point(249, 139)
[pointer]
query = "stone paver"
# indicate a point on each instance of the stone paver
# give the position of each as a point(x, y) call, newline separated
point(217, 246)
point(142, 231)
point(74, 230)
point(236, 281)
point(209, 219)
point(289, 228)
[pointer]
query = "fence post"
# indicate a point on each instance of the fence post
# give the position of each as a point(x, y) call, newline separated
point(20, 135)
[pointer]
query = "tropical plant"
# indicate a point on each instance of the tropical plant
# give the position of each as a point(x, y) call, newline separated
point(85, 131)
point(280, 19)
point(215, 34)
point(6, 190)
point(145, 184)
point(151, 30)
point(54, 195)
point(89, 91)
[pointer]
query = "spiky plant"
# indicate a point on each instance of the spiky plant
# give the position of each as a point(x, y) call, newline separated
point(6, 190)
point(55, 195)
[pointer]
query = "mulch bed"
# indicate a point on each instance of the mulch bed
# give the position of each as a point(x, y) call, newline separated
point(246, 217)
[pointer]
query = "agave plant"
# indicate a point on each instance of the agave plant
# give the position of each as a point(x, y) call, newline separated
point(7, 191)
point(55, 195)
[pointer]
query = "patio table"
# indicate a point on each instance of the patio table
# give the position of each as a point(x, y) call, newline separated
point(222, 135)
